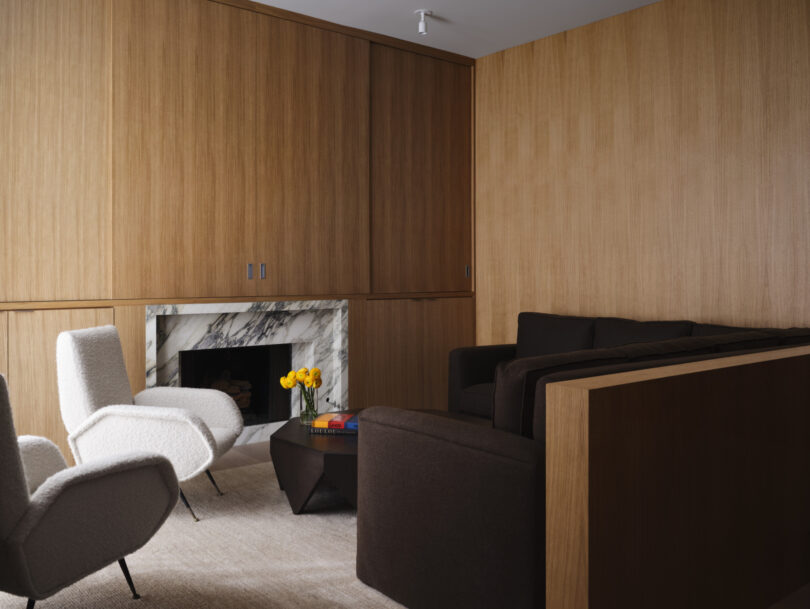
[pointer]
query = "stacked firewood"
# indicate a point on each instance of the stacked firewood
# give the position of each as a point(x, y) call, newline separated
point(239, 390)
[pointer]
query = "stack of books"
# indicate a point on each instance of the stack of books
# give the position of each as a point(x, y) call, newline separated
point(337, 423)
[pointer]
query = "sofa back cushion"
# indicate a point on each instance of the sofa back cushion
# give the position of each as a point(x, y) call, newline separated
point(792, 336)
point(714, 329)
point(515, 383)
point(544, 333)
point(652, 355)
point(614, 331)
point(698, 345)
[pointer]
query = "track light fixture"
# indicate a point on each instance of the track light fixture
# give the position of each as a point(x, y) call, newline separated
point(422, 12)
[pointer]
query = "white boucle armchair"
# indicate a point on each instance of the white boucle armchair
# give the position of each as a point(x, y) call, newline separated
point(190, 427)
point(60, 524)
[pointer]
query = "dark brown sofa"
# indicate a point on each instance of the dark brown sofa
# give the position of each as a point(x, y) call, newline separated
point(452, 514)
point(473, 370)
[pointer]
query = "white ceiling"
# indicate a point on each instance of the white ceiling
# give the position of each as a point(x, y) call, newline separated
point(469, 27)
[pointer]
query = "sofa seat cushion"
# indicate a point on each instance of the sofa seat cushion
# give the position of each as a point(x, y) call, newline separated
point(478, 399)
point(614, 331)
point(544, 333)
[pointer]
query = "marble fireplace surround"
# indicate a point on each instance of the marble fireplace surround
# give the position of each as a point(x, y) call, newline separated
point(317, 330)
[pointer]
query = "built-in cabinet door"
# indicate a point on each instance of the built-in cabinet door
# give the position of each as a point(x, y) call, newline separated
point(184, 85)
point(399, 350)
point(421, 203)
point(32, 367)
point(54, 150)
point(313, 160)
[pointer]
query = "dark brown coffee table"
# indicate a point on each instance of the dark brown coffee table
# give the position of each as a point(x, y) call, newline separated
point(303, 461)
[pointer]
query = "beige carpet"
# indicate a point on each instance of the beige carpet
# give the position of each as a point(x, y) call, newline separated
point(248, 550)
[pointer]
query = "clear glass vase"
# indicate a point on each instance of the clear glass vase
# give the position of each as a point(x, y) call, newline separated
point(307, 408)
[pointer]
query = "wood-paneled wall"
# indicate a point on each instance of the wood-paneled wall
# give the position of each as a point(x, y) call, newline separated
point(399, 349)
point(32, 367)
point(653, 165)
point(184, 148)
point(131, 324)
point(151, 149)
point(313, 160)
point(421, 180)
point(54, 150)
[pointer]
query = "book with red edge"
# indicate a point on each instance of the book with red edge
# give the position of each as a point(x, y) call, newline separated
point(339, 421)
point(335, 423)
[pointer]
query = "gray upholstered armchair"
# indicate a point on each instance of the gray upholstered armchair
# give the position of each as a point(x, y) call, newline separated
point(60, 524)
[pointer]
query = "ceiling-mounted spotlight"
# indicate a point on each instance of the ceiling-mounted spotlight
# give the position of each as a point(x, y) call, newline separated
point(423, 12)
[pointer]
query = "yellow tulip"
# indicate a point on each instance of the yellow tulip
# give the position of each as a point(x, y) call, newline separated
point(316, 373)
point(317, 383)
point(301, 375)
point(291, 375)
point(284, 382)
point(308, 381)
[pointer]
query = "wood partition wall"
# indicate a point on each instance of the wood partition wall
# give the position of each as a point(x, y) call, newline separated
point(681, 486)
point(652, 165)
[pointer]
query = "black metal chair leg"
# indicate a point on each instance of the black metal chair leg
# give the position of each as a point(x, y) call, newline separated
point(127, 576)
point(188, 507)
point(31, 603)
point(214, 482)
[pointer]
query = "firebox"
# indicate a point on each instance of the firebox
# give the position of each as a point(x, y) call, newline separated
point(248, 374)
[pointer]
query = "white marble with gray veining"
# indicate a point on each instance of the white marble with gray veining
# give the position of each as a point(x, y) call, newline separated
point(317, 330)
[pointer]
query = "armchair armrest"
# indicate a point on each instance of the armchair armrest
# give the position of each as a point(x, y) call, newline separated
point(474, 365)
point(451, 505)
point(214, 407)
point(41, 459)
point(88, 516)
point(177, 434)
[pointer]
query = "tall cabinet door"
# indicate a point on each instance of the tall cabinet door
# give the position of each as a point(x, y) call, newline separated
point(421, 204)
point(400, 350)
point(312, 190)
point(54, 150)
point(32, 367)
point(184, 84)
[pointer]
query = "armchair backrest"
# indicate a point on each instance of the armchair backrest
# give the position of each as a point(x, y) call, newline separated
point(91, 373)
point(13, 488)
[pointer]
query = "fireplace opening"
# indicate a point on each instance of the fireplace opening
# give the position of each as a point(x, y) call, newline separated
point(247, 374)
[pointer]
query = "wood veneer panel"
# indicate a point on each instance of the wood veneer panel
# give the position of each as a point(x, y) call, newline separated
point(400, 348)
point(32, 368)
point(420, 173)
point(567, 497)
point(694, 485)
point(312, 211)
point(4, 344)
point(54, 151)
point(184, 78)
point(652, 165)
point(131, 324)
